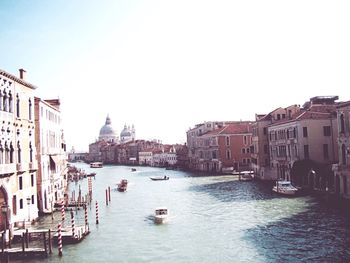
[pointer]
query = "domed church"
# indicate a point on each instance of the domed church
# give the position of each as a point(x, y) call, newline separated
point(127, 134)
point(107, 133)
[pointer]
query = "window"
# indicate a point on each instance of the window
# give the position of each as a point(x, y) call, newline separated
point(32, 179)
point(342, 123)
point(14, 204)
point(20, 182)
point(245, 139)
point(294, 133)
point(283, 116)
point(278, 116)
point(30, 152)
point(10, 102)
point(266, 148)
point(306, 152)
point(247, 151)
point(227, 141)
point(18, 152)
point(325, 152)
point(11, 153)
point(0, 100)
point(4, 99)
point(343, 154)
point(304, 131)
point(243, 150)
point(214, 154)
point(327, 130)
point(33, 199)
point(265, 130)
point(30, 109)
point(228, 154)
point(17, 106)
point(20, 203)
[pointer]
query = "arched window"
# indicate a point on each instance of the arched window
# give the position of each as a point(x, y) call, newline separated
point(7, 153)
point(228, 154)
point(30, 152)
point(17, 106)
point(18, 152)
point(227, 141)
point(30, 109)
point(10, 102)
point(343, 154)
point(342, 123)
point(4, 101)
point(11, 153)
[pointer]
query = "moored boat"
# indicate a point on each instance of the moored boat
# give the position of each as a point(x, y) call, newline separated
point(161, 215)
point(246, 176)
point(96, 165)
point(285, 188)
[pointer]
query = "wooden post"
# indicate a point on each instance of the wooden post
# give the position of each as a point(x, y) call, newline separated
point(3, 242)
point(50, 242)
point(45, 245)
point(22, 239)
point(109, 193)
point(59, 237)
point(97, 213)
point(106, 197)
point(27, 238)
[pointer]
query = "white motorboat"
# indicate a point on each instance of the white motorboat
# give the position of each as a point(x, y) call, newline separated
point(123, 185)
point(246, 176)
point(285, 188)
point(161, 215)
point(159, 178)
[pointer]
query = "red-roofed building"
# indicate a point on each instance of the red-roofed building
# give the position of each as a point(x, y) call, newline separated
point(220, 146)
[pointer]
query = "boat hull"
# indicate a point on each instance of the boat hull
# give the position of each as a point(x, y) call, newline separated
point(284, 191)
point(160, 219)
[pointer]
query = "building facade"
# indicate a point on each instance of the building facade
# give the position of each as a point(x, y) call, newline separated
point(342, 169)
point(51, 154)
point(308, 135)
point(18, 164)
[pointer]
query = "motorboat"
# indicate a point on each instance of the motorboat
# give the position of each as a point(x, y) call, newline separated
point(161, 215)
point(159, 178)
point(285, 188)
point(96, 165)
point(246, 176)
point(133, 169)
point(91, 175)
point(123, 185)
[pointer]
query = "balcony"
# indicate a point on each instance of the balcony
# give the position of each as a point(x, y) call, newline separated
point(33, 166)
point(7, 169)
point(20, 168)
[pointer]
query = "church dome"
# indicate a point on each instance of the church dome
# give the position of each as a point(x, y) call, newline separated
point(107, 132)
point(125, 132)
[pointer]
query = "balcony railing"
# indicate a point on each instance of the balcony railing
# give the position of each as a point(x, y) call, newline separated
point(7, 169)
point(33, 166)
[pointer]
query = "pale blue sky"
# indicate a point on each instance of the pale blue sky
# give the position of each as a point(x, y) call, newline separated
point(167, 65)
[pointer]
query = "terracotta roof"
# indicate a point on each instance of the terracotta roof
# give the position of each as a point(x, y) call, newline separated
point(236, 128)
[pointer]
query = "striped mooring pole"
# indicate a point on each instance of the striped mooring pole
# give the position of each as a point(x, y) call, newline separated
point(73, 225)
point(62, 212)
point(86, 217)
point(96, 213)
point(59, 240)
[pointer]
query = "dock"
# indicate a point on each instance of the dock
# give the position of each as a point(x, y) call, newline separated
point(67, 236)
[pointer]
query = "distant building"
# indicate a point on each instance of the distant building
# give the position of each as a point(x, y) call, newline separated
point(127, 134)
point(74, 156)
point(107, 132)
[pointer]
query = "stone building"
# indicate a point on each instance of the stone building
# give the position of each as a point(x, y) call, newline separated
point(18, 164)
point(51, 154)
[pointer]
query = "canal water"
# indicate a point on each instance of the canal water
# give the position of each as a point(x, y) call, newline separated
point(212, 219)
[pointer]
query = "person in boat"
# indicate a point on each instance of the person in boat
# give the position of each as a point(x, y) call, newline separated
point(164, 176)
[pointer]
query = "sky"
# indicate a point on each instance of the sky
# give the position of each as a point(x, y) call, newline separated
point(165, 66)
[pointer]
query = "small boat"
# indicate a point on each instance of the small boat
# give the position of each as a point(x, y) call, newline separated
point(96, 165)
point(91, 175)
point(246, 176)
point(284, 188)
point(159, 178)
point(123, 185)
point(161, 215)
point(133, 169)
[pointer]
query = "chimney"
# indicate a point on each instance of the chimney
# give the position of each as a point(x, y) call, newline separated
point(22, 74)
